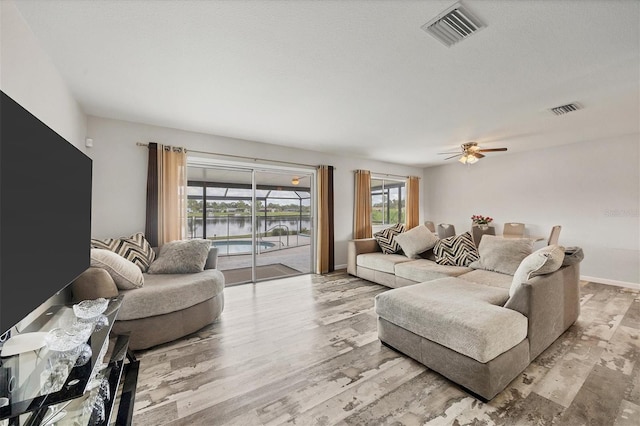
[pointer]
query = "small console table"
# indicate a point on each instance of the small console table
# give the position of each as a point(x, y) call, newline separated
point(41, 387)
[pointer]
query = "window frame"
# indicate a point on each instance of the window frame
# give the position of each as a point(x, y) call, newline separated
point(387, 184)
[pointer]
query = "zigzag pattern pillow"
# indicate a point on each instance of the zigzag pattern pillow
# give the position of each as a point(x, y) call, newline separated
point(135, 248)
point(458, 250)
point(386, 238)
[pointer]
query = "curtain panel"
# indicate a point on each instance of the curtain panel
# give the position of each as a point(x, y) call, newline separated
point(412, 218)
point(362, 205)
point(166, 194)
point(325, 259)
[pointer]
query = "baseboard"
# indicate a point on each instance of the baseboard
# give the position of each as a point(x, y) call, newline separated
point(338, 267)
point(634, 286)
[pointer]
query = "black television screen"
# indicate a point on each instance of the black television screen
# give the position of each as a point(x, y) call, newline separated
point(45, 212)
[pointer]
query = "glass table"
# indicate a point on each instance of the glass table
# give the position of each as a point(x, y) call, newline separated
point(54, 384)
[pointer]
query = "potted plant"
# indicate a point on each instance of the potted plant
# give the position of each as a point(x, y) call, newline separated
point(481, 221)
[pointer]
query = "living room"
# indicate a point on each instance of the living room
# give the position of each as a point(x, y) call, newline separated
point(579, 170)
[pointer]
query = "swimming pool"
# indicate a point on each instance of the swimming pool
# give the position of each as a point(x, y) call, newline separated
point(236, 246)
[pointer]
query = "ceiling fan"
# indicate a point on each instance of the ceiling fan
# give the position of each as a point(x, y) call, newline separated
point(471, 153)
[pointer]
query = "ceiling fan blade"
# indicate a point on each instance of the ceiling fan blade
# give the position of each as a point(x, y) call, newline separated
point(452, 152)
point(492, 149)
point(453, 156)
point(477, 155)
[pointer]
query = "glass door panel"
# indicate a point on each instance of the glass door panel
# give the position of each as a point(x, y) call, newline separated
point(226, 195)
point(284, 223)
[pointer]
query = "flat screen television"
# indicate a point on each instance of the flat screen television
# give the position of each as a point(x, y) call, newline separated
point(45, 212)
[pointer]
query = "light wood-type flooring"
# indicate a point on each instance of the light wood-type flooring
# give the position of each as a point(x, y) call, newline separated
point(304, 351)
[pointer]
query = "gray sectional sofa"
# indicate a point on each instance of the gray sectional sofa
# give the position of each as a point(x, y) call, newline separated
point(476, 326)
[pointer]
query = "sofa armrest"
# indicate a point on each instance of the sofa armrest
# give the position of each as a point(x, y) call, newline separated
point(212, 259)
point(93, 283)
point(356, 247)
point(551, 303)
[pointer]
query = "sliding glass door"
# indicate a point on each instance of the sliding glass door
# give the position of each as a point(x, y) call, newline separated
point(260, 219)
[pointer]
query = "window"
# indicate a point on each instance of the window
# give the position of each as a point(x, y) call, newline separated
point(387, 201)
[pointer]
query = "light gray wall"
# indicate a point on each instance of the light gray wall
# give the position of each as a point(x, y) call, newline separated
point(29, 77)
point(120, 173)
point(591, 189)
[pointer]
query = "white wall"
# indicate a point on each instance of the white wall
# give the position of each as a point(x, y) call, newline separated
point(120, 173)
point(29, 77)
point(591, 189)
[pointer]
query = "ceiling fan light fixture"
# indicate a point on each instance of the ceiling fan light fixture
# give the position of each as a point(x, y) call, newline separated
point(472, 159)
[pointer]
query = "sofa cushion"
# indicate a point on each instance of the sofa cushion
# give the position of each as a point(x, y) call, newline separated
point(502, 254)
point(490, 278)
point(387, 238)
point(544, 261)
point(135, 248)
point(124, 273)
point(416, 240)
point(457, 314)
point(164, 293)
point(457, 250)
point(427, 270)
point(181, 257)
point(380, 261)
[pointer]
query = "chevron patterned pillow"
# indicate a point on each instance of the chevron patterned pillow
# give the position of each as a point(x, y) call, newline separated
point(386, 238)
point(458, 250)
point(135, 248)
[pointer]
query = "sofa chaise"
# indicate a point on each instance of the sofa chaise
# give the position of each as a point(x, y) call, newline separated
point(474, 325)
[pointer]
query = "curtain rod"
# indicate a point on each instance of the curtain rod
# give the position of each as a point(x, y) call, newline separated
point(244, 158)
point(390, 175)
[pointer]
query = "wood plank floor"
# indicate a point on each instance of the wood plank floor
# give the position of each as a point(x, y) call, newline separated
point(304, 351)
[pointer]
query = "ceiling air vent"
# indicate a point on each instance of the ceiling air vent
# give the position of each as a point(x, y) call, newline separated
point(563, 109)
point(453, 25)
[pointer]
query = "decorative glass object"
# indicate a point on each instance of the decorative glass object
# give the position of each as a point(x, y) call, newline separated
point(84, 355)
point(66, 339)
point(90, 308)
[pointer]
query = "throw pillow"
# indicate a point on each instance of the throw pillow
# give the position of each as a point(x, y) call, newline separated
point(544, 261)
point(181, 257)
point(502, 255)
point(135, 248)
point(386, 238)
point(458, 250)
point(415, 241)
point(125, 273)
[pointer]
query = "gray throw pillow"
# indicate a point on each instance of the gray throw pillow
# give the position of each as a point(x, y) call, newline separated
point(544, 261)
point(125, 273)
point(502, 255)
point(415, 241)
point(181, 257)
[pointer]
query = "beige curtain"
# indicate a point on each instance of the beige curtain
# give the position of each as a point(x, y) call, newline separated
point(362, 207)
point(412, 218)
point(325, 251)
point(172, 194)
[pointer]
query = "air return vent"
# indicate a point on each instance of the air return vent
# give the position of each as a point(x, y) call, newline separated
point(563, 109)
point(453, 25)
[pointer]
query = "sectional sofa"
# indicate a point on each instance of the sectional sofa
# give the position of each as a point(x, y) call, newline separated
point(478, 325)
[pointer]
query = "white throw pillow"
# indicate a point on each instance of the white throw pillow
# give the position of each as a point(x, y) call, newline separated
point(544, 261)
point(415, 241)
point(126, 274)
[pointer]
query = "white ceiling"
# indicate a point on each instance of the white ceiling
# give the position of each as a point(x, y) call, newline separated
point(353, 77)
